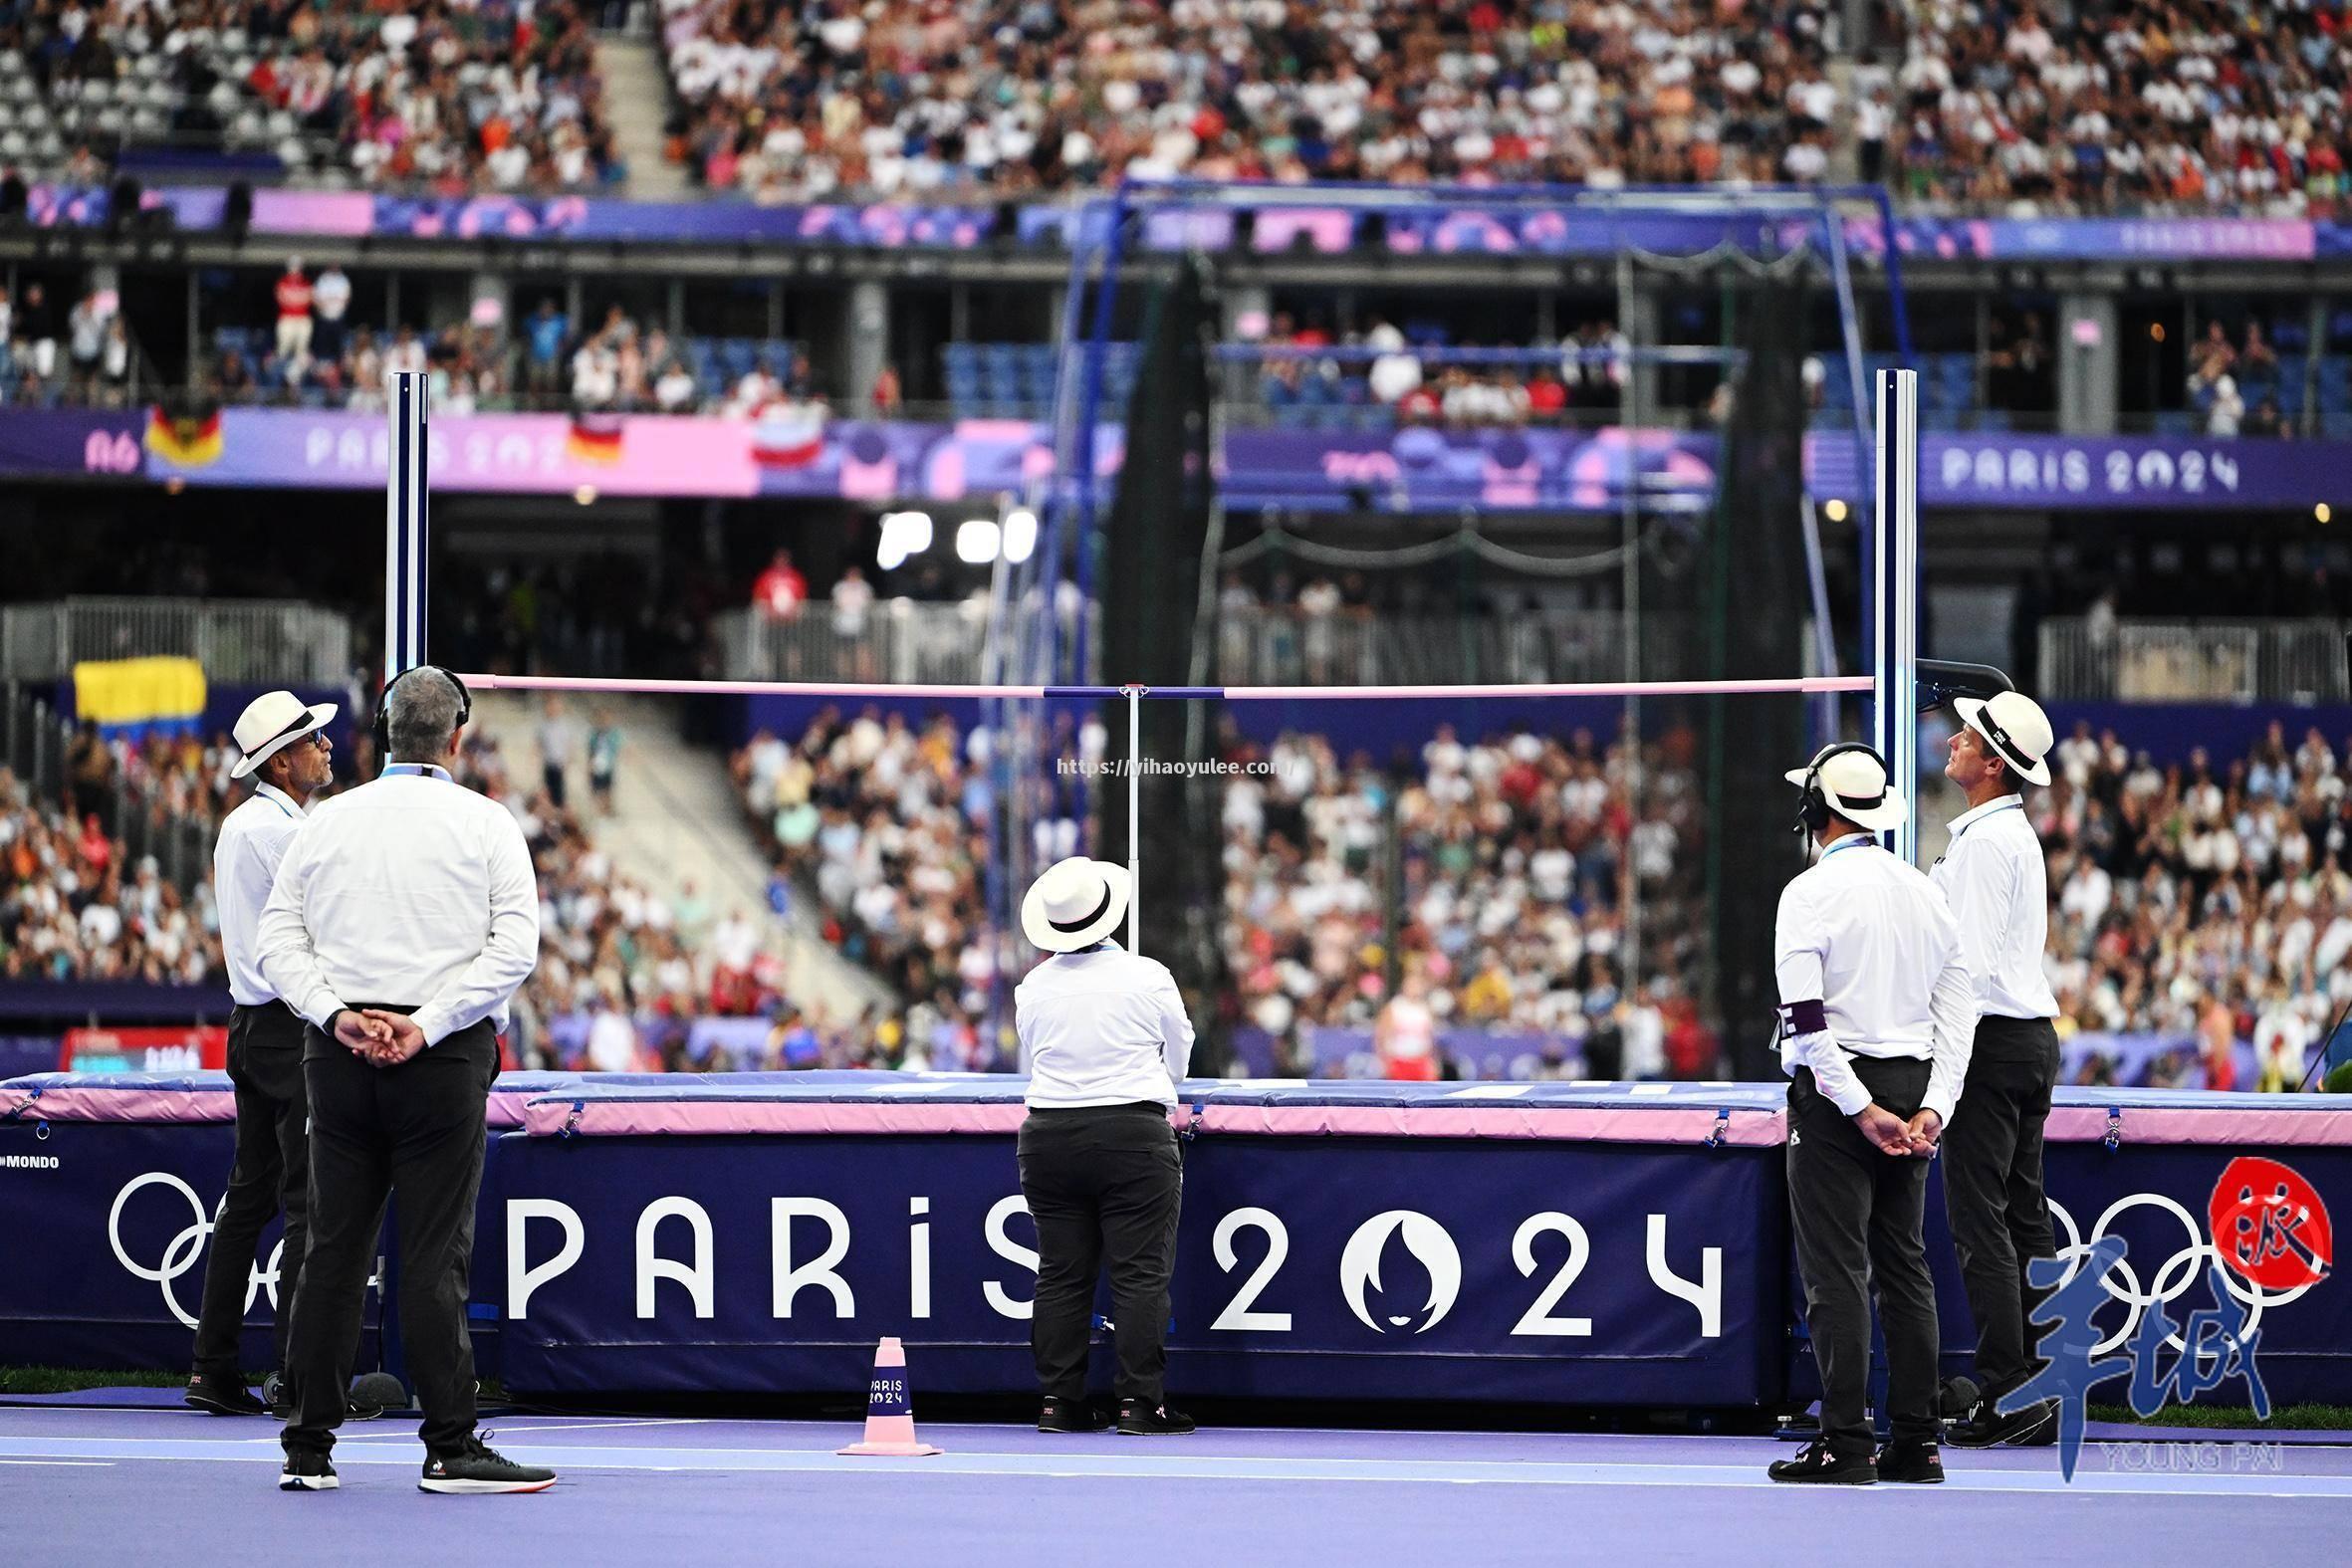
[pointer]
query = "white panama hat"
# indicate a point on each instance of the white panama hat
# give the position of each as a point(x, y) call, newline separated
point(1075, 904)
point(1854, 781)
point(2018, 731)
point(271, 723)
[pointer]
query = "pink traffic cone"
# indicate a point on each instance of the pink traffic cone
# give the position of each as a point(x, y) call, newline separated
point(891, 1410)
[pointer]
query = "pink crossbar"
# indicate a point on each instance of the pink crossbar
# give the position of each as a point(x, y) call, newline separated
point(1501, 690)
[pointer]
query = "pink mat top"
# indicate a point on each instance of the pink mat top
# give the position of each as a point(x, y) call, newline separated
point(75, 1102)
point(1744, 1116)
point(557, 1116)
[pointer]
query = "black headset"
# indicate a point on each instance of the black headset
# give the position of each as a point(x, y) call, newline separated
point(1814, 810)
point(383, 706)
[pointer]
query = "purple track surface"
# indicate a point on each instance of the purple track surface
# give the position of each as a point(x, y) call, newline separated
point(107, 1487)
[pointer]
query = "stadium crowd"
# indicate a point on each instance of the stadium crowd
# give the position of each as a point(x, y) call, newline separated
point(1011, 97)
point(316, 358)
point(1514, 854)
point(2207, 900)
point(2130, 105)
point(2104, 105)
point(76, 906)
point(2194, 908)
point(887, 823)
point(490, 95)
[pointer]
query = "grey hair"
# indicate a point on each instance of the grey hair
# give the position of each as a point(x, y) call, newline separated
point(422, 716)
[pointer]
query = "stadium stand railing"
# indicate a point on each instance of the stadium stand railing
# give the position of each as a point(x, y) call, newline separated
point(240, 642)
point(2237, 661)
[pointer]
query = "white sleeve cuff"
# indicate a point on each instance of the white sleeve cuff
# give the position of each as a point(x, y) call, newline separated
point(320, 1006)
point(1853, 1099)
point(1941, 1104)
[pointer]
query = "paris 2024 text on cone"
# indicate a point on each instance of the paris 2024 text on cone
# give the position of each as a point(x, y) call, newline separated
point(891, 1409)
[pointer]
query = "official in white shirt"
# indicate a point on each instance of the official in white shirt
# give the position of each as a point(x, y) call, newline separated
point(405, 916)
point(1105, 1040)
point(1875, 1023)
point(1993, 876)
point(283, 747)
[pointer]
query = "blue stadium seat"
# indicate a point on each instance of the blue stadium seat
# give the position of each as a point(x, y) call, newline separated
point(1957, 373)
point(2178, 423)
point(2290, 392)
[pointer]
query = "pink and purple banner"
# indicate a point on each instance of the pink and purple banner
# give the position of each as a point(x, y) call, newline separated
point(796, 453)
point(1411, 469)
point(1568, 228)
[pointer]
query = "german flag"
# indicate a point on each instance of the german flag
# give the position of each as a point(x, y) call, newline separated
point(187, 438)
point(594, 438)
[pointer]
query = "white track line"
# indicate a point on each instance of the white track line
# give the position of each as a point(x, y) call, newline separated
point(76, 1464)
point(1142, 1466)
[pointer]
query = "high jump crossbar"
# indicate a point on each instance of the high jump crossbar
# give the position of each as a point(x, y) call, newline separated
point(1890, 613)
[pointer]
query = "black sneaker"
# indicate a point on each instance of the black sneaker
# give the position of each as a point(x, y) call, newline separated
point(1062, 1416)
point(1819, 1465)
point(1913, 1463)
point(1138, 1420)
point(219, 1396)
point(279, 1400)
point(2043, 1434)
point(307, 1473)
point(478, 1468)
point(2034, 1426)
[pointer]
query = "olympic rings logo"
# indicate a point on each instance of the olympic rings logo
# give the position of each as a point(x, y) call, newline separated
point(2164, 1288)
point(180, 1255)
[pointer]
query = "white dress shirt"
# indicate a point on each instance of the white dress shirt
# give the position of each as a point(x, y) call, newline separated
point(253, 839)
point(412, 890)
point(2000, 891)
point(1104, 1026)
point(1870, 941)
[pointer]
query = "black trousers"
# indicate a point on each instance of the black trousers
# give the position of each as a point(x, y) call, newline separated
point(272, 1171)
point(1103, 1184)
point(1858, 1215)
point(415, 1133)
point(1993, 1189)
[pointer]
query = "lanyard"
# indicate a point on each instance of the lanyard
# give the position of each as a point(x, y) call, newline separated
point(418, 770)
point(2014, 805)
point(1856, 841)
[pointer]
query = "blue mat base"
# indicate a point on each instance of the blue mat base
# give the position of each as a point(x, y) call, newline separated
point(105, 1399)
